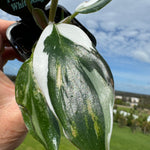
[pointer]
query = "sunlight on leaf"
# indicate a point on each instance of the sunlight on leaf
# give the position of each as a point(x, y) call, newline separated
point(91, 6)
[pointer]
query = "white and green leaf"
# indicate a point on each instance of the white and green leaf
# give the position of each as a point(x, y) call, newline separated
point(77, 84)
point(39, 119)
point(91, 6)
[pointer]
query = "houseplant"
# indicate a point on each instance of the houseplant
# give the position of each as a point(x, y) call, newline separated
point(66, 83)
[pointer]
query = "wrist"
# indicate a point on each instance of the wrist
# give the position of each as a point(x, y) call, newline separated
point(12, 127)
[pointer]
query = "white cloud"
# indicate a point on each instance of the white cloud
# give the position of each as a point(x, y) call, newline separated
point(129, 33)
point(92, 24)
point(142, 55)
point(122, 28)
point(109, 26)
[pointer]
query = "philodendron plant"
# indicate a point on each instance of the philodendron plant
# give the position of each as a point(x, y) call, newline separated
point(66, 83)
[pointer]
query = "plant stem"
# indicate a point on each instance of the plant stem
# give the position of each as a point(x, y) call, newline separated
point(73, 15)
point(68, 19)
point(52, 11)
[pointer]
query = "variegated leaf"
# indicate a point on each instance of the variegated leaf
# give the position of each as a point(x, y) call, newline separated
point(91, 6)
point(38, 118)
point(77, 84)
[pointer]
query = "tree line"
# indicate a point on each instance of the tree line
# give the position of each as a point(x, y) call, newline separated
point(139, 123)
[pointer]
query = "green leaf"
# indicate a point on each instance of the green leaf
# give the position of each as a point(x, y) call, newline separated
point(79, 83)
point(38, 15)
point(38, 118)
point(91, 6)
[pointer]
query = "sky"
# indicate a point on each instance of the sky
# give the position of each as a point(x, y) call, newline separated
point(122, 31)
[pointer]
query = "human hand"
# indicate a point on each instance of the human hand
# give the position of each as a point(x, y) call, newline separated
point(6, 51)
point(12, 127)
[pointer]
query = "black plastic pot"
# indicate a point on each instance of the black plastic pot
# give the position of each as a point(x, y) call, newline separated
point(23, 34)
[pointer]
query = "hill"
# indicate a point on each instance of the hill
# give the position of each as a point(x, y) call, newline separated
point(129, 94)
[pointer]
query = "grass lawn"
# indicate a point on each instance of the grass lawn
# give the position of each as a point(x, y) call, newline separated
point(122, 139)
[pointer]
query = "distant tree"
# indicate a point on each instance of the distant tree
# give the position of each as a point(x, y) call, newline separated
point(145, 127)
point(122, 121)
point(144, 102)
point(119, 102)
point(142, 119)
point(135, 107)
point(135, 124)
point(116, 116)
point(115, 107)
point(129, 119)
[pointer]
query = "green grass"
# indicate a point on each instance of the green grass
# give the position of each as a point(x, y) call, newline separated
point(124, 108)
point(31, 144)
point(122, 139)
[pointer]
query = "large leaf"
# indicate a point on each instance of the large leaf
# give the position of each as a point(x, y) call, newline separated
point(91, 6)
point(79, 85)
point(38, 118)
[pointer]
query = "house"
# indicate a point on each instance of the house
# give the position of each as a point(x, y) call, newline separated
point(118, 97)
point(135, 100)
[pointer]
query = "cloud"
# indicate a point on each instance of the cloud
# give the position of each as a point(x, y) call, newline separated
point(122, 28)
point(142, 55)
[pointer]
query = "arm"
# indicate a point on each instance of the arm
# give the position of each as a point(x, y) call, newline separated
point(12, 127)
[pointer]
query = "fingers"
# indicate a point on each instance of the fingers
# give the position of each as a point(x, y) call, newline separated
point(3, 27)
point(6, 51)
point(10, 54)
